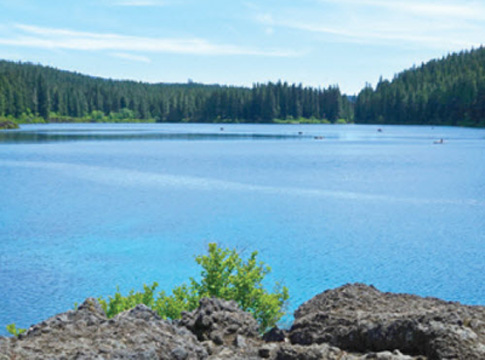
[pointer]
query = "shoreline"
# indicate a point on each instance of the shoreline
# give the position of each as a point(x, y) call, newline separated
point(354, 321)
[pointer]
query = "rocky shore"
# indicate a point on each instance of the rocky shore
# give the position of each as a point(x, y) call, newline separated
point(7, 125)
point(354, 321)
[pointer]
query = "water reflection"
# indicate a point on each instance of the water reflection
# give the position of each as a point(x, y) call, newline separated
point(88, 135)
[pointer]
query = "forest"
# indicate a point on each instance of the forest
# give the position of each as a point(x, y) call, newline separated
point(447, 91)
point(28, 91)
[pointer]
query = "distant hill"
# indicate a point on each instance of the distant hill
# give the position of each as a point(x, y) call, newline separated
point(28, 90)
point(449, 91)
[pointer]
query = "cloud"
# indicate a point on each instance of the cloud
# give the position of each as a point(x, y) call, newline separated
point(467, 10)
point(269, 30)
point(440, 25)
point(385, 34)
point(132, 57)
point(54, 38)
point(140, 3)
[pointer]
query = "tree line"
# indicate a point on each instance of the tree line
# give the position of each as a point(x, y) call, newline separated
point(27, 89)
point(449, 91)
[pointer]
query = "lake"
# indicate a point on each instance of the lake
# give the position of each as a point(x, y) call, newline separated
point(88, 207)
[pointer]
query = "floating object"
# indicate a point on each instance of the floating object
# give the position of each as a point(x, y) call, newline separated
point(379, 130)
point(300, 132)
point(222, 129)
point(319, 137)
point(440, 141)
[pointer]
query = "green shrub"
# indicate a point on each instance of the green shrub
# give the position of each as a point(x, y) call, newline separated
point(7, 124)
point(14, 330)
point(224, 275)
point(341, 121)
point(118, 303)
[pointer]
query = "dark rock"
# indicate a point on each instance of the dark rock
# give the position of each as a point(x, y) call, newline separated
point(275, 335)
point(264, 352)
point(361, 318)
point(220, 321)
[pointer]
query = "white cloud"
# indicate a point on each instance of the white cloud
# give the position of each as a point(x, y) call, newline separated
point(385, 34)
point(140, 3)
point(444, 25)
point(53, 38)
point(133, 57)
point(468, 10)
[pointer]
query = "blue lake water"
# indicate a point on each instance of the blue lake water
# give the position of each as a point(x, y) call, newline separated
point(87, 207)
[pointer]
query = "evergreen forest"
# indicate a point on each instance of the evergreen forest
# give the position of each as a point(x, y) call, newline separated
point(447, 91)
point(28, 90)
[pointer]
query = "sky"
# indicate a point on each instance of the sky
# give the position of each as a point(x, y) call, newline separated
point(239, 42)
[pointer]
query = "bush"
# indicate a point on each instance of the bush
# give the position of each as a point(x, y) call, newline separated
point(6, 124)
point(14, 330)
point(224, 275)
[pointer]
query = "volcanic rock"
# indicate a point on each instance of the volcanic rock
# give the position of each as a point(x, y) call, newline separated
point(360, 318)
point(86, 333)
point(353, 322)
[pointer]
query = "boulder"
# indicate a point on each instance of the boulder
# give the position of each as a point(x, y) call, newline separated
point(86, 333)
point(360, 318)
point(220, 321)
point(275, 335)
point(226, 331)
point(353, 322)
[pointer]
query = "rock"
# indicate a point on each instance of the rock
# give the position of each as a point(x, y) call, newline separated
point(220, 321)
point(353, 322)
point(240, 342)
point(386, 355)
point(7, 125)
point(311, 352)
point(86, 333)
point(327, 352)
point(225, 330)
point(275, 335)
point(360, 318)
point(264, 352)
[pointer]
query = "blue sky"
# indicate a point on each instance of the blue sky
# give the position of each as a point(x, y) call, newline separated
point(313, 42)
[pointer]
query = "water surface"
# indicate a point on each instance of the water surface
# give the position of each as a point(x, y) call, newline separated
point(87, 207)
